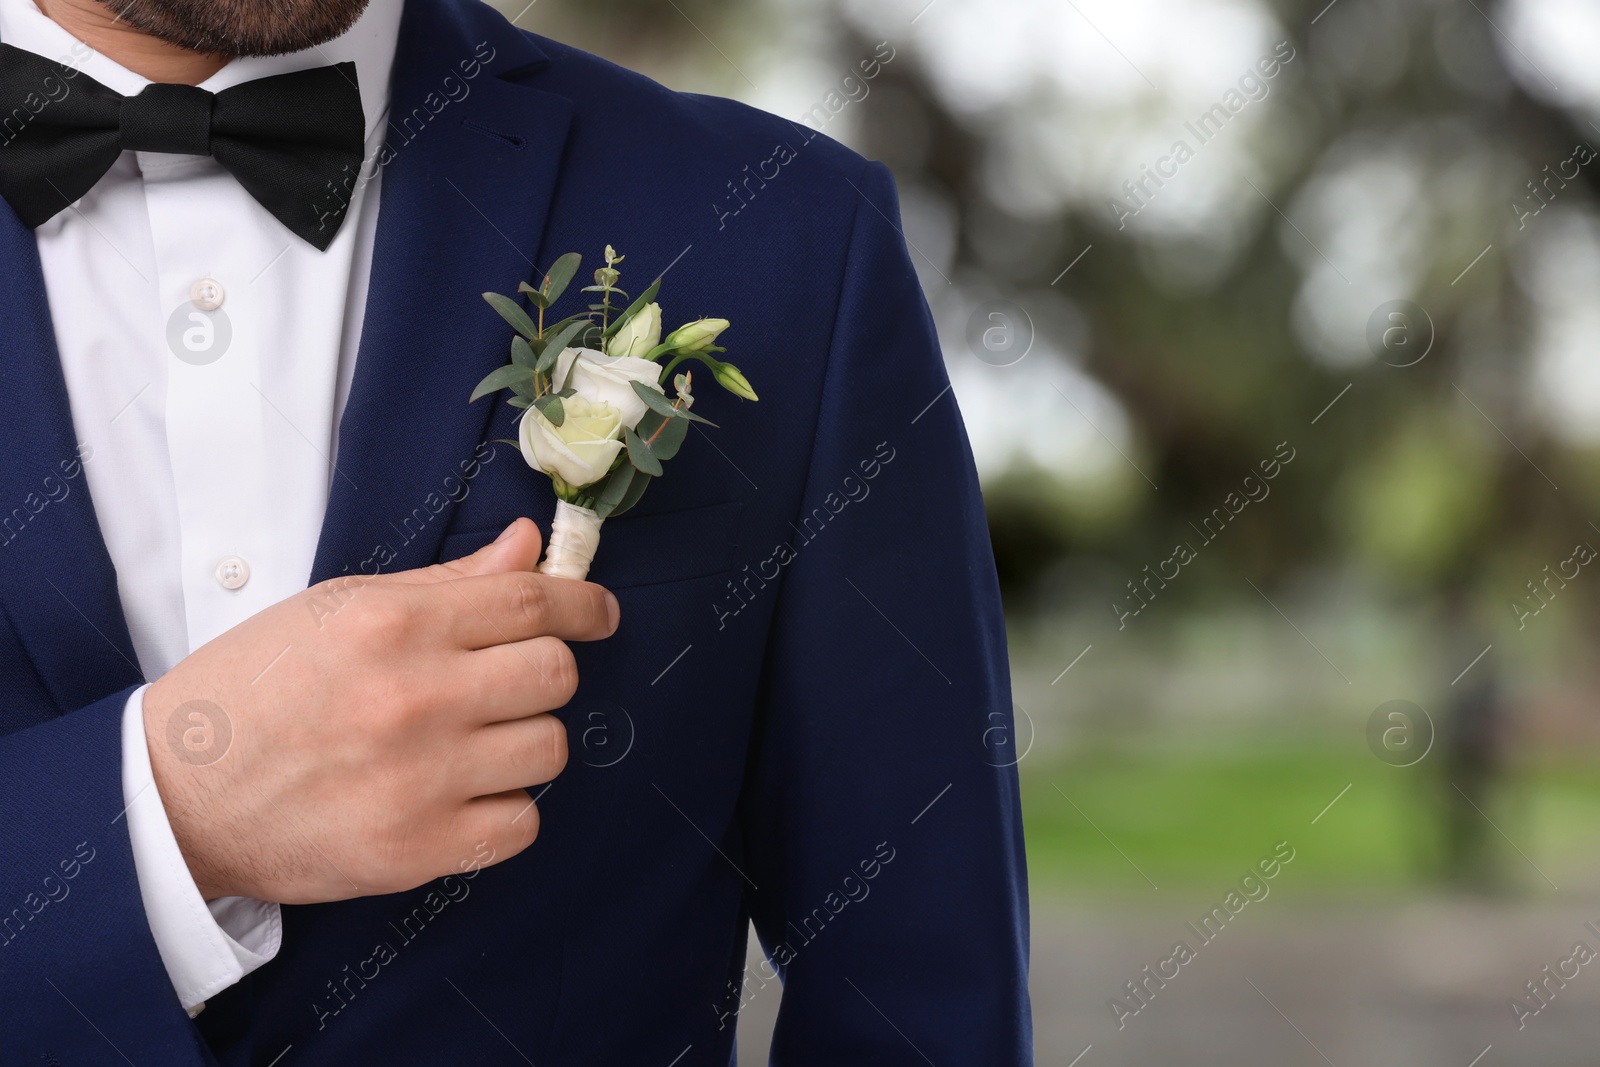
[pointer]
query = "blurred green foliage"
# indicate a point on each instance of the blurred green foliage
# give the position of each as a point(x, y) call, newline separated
point(1194, 819)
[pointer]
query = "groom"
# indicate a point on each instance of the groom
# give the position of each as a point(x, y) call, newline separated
point(437, 808)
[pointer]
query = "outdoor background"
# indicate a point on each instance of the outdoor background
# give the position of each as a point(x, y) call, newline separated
point(1375, 276)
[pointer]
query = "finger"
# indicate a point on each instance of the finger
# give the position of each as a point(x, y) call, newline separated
point(514, 681)
point(513, 755)
point(492, 829)
point(481, 611)
point(516, 549)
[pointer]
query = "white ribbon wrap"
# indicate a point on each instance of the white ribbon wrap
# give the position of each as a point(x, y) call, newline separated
point(574, 538)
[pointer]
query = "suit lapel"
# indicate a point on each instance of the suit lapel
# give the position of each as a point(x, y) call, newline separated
point(464, 194)
point(56, 578)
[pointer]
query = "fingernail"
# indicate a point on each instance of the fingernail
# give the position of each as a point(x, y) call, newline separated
point(508, 531)
point(613, 610)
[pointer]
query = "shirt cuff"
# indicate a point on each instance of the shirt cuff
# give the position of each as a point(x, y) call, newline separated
point(205, 947)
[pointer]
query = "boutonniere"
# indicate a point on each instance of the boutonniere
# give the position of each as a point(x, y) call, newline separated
point(597, 417)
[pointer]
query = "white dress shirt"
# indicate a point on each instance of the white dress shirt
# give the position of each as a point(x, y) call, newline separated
point(208, 352)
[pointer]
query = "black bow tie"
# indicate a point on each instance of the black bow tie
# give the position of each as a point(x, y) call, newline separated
point(294, 141)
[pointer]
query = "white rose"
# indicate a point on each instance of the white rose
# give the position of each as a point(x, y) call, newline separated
point(609, 380)
point(581, 450)
point(641, 333)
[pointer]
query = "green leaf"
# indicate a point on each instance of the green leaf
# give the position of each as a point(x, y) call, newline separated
point(535, 297)
point(653, 399)
point(522, 353)
point(658, 403)
point(672, 436)
point(520, 402)
point(688, 416)
point(582, 316)
point(551, 408)
point(512, 312)
point(636, 489)
point(559, 343)
point(566, 386)
point(501, 378)
point(640, 456)
point(610, 490)
point(555, 282)
point(633, 308)
point(663, 435)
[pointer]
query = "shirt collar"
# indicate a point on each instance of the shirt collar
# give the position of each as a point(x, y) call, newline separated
point(369, 44)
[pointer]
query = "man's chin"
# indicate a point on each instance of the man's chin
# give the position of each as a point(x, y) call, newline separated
point(240, 27)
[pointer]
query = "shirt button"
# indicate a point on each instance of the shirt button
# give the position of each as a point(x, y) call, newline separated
point(207, 294)
point(232, 573)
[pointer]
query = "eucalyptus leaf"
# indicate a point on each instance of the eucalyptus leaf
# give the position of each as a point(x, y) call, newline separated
point(663, 435)
point(582, 316)
point(551, 408)
point(520, 402)
point(688, 416)
point(672, 437)
point(640, 456)
point(535, 297)
point(559, 343)
point(653, 399)
point(501, 378)
point(636, 488)
point(522, 353)
point(555, 282)
point(658, 403)
point(612, 488)
point(512, 312)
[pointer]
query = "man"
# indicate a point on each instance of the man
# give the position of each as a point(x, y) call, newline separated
point(239, 337)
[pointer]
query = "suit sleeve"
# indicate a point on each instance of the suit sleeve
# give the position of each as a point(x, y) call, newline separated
point(881, 810)
point(81, 980)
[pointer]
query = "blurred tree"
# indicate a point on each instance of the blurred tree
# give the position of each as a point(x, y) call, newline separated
point(1415, 470)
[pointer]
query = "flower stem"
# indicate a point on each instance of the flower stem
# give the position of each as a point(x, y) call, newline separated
point(666, 372)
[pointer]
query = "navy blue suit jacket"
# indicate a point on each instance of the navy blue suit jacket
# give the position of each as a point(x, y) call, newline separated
point(796, 723)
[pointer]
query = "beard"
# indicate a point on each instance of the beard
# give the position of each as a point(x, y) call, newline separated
point(240, 27)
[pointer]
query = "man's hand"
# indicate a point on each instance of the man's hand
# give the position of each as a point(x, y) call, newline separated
point(377, 730)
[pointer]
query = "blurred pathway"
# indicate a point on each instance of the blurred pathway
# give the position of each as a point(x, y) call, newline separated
point(1416, 983)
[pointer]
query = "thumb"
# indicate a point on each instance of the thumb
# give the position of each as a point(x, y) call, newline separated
point(516, 549)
